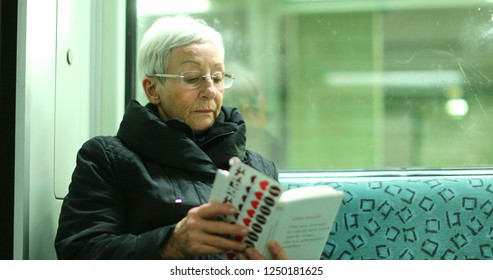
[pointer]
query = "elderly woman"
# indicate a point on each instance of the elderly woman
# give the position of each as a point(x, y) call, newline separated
point(143, 193)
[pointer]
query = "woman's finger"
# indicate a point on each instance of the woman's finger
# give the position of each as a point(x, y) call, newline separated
point(276, 250)
point(212, 210)
point(253, 254)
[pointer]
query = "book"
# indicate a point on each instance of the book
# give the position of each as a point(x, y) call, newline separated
point(299, 219)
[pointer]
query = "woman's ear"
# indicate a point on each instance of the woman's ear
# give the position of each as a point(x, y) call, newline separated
point(150, 88)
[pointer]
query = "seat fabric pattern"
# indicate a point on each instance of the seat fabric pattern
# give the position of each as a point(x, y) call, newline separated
point(438, 218)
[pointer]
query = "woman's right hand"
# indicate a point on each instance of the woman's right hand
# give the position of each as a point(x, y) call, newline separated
point(200, 234)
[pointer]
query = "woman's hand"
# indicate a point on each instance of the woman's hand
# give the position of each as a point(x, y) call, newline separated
point(275, 249)
point(199, 234)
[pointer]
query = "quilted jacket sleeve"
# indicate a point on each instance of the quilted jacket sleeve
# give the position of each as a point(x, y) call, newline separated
point(265, 166)
point(92, 218)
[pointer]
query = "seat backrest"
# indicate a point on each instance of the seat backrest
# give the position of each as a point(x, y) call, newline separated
point(410, 218)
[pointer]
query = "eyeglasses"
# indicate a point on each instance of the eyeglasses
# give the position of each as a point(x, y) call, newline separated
point(195, 79)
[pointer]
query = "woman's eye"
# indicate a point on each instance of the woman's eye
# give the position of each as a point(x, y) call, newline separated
point(191, 80)
point(217, 79)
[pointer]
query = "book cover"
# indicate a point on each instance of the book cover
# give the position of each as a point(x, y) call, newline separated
point(299, 219)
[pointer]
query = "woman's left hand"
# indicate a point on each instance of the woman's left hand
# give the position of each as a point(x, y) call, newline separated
point(275, 249)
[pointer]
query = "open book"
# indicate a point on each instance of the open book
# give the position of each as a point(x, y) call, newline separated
point(299, 219)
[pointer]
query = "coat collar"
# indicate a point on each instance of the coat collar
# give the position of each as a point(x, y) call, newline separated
point(171, 142)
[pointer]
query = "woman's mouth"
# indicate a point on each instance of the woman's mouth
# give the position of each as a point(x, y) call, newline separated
point(204, 111)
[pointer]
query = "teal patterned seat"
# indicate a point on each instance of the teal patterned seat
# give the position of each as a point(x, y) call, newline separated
point(422, 218)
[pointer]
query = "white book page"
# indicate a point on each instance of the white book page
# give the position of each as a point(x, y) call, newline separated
point(307, 215)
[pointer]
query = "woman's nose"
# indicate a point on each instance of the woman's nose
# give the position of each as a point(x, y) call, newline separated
point(208, 89)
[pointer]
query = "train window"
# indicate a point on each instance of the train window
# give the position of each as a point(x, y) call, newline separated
point(352, 84)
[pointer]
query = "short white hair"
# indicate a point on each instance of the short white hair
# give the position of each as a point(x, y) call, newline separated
point(171, 32)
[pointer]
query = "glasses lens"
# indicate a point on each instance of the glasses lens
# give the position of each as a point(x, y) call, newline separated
point(217, 79)
point(195, 79)
point(192, 79)
point(228, 80)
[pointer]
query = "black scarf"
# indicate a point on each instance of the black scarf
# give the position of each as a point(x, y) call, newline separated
point(172, 142)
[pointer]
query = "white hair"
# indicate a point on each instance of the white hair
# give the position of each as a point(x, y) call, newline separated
point(171, 32)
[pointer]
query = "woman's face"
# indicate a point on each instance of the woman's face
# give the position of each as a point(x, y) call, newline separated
point(198, 107)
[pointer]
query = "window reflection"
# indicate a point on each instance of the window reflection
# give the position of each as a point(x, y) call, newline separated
point(357, 84)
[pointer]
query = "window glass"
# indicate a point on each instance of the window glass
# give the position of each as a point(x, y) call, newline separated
point(340, 84)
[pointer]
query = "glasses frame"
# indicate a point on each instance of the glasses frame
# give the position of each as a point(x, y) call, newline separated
point(225, 77)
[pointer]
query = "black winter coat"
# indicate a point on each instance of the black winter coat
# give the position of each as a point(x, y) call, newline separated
point(122, 201)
